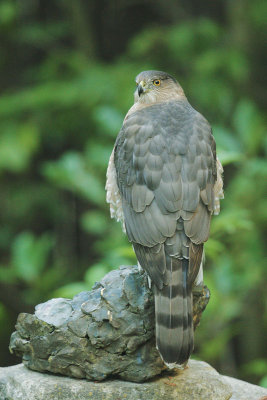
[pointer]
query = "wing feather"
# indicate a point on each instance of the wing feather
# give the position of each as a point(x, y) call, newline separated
point(165, 158)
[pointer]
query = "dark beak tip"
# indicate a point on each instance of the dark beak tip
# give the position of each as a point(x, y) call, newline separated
point(140, 90)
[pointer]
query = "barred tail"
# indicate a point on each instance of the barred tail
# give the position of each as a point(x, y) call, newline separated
point(174, 314)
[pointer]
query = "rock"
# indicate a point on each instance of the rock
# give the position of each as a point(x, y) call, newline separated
point(244, 390)
point(54, 311)
point(197, 382)
point(105, 332)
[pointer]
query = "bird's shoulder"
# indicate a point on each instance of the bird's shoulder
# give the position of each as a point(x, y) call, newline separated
point(161, 112)
point(174, 121)
point(169, 118)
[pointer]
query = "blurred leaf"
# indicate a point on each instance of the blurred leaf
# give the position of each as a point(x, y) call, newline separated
point(258, 367)
point(208, 88)
point(30, 254)
point(7, 275)
point(187, 37)
point(213, 248)
point(98, 155)
point(7, 12)
point(70, 290)
point(249, 125)
point(229, 157)
point(95, 273)
point(126, 251)
point(225, 139)
point(227, 279)
point(17, 146)
point(3, 312)
point(144, 43)
point(71, 173)
point(257, 13)
point(94, 222)
point(108, 119)
point(41, 35)
point(263, 382)
point(232, 221)
point(86, 90)
point(217, 344)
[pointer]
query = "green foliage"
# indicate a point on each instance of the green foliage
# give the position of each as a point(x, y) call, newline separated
point(70, 173)
point(29, 255)
point(60, 113)
point(18, 143)
point(257, 368)
point(28, 258)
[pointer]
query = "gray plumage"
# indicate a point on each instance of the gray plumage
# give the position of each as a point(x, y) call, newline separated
point(165, 163)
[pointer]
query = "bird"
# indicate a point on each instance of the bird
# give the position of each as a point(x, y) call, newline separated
point(164, 182)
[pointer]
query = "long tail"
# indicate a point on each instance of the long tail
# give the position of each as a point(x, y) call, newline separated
point(174, 315)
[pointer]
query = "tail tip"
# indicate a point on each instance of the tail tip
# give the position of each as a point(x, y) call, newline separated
point(170, 364)
point(176, 366)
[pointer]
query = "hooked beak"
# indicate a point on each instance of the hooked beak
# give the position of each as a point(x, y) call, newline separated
point(140, 88)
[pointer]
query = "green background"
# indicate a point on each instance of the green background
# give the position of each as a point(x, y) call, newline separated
point(67, 80)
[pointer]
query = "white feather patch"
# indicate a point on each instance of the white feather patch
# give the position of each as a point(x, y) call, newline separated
point(218, 188)
point(113, 195)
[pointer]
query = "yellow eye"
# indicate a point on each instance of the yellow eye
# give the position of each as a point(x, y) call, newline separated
point(156, 82)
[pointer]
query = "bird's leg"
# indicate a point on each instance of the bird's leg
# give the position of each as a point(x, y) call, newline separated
point(140, 269)
point(199, 278)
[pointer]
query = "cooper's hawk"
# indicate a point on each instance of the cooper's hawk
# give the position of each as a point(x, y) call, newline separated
point(164, 183)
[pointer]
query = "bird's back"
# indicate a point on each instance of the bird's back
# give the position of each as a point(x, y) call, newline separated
point(165, 163)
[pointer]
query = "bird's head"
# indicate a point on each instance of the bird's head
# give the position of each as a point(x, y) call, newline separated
point(156, 86)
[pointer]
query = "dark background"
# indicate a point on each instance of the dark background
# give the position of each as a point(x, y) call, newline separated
point(67, 80)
